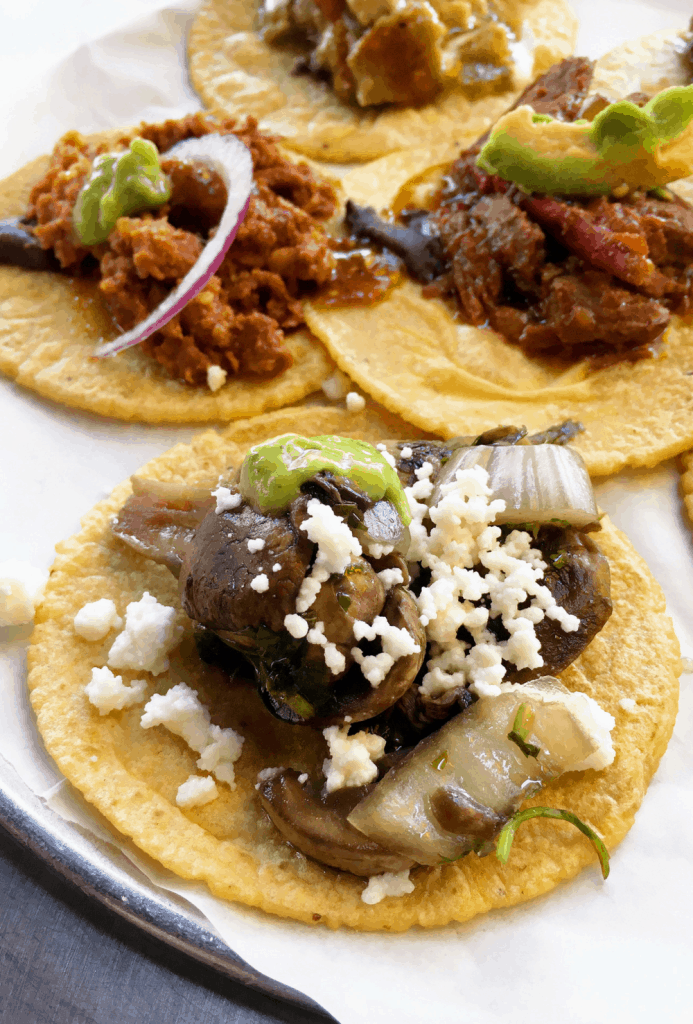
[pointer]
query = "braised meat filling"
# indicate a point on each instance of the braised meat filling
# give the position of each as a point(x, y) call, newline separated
point(239, 319)
point(558, 276)
point(400, 52)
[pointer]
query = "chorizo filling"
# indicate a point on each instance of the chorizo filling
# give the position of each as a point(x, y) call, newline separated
point(238, 321)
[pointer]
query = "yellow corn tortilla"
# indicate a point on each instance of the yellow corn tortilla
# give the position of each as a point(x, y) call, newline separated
point(50, 326)
point(131, 775)
point(687, 483)
point(414, 356)
point(235, 72)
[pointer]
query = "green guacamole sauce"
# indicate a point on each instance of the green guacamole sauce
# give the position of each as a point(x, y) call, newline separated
point(119, 184)
point(273, 473)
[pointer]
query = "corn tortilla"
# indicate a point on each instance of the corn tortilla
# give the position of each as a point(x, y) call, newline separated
point(415, 357)
point(235, 72)
point(50, 325)
point(131, 775)
point(687, 483)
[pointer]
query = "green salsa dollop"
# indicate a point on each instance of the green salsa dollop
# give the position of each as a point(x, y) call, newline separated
point(273, 473)
point(119, 184)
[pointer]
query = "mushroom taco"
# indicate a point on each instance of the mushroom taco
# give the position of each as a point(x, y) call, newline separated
point(348, 669)
point(549, 266)
point(112, 233)
point(346, 80)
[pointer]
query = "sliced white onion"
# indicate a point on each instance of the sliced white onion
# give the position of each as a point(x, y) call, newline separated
point(538, 483)
point(232, 161)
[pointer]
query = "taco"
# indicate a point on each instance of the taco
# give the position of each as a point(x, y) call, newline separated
point(352, 80)
point(687, 483)
point(524, 299)
point(108, 231)
point(237, 724)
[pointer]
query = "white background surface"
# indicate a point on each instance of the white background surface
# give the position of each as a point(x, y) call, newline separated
point(586, 954)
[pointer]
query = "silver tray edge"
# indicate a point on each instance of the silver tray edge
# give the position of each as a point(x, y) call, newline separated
point(157, 917)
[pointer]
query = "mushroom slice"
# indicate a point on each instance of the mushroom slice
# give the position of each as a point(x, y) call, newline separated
point(160, 519)
point(355, 696)
point(578, 577)
point(317, 825)
point(458, 787)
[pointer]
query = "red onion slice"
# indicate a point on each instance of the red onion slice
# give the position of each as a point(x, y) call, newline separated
point(232, 161)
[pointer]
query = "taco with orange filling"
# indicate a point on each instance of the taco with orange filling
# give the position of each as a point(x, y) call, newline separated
point(178, 254)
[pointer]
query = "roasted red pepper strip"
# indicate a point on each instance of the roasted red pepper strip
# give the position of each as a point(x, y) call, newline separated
point(487, 183)
point(595, 243)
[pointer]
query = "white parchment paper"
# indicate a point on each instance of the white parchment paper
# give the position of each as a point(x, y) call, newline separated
point(589, 952)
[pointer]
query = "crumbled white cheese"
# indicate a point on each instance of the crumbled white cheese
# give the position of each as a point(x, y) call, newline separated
point(266, 775)
point(109, 693)
point(355, 402)
point(196, 791)
point(336, 386)
point(260, 583)
point(220, 754)
point(390, 459)
point(591, 718)
point(182, 713)
point(336, 548)
point(302, 779)
point(21, 590)
point(628, 704)
point(150, 633)
point(390, 577)
point(461, 537)
point(94, 620)
point(396, 643)
point(216, 377)
point(334, 659)
point(276, 567)
point(406, 452)
point(376, 551)
point(256, 545)
point(296, 626)
point(226, 499)
point(351, 760)
point(392, 883)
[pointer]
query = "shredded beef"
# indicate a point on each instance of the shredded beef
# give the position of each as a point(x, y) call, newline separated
point(561, 90)
point(570, 277)
point(238, 320)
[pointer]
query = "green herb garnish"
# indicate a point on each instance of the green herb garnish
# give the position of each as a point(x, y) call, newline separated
point(507, 833)
point(520, 731)
point(559, 559)
point(532, 528)
point(561, 522)
point(439, 762)
point(344, 602)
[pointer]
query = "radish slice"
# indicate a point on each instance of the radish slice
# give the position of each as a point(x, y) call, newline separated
point(231, 159)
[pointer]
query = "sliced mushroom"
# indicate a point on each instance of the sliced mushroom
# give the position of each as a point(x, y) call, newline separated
point(317, 825)
point(219, 569)
point(160, 519)
point(359, 700)
point(578, 577)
